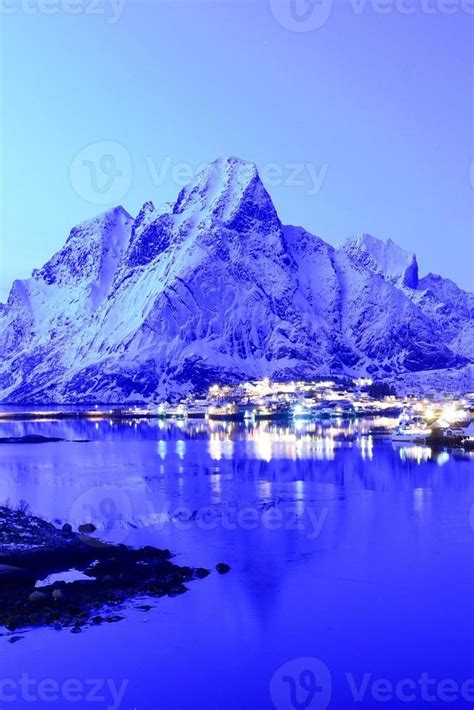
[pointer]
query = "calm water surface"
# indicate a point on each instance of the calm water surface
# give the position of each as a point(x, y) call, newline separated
point(354, 553)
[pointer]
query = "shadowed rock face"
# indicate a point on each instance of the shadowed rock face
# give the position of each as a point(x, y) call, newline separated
point(212, 288)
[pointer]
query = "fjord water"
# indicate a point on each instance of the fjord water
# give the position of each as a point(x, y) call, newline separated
point(350, 551)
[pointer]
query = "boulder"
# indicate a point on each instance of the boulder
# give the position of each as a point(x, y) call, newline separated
point(87, 528)
point(222, 568)
point(38, 597)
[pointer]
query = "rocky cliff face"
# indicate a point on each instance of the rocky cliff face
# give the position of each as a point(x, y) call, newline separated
point(214, 287)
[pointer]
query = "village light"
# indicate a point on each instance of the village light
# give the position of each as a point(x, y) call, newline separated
point(451, 414)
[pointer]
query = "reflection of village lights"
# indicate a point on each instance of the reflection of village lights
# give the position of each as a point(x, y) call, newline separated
point(181, 448)
point(180, 480)
point(415, 452)
point(367, 447)
point(228, 448)
point(299, 425)
point(215, 480)
point(418, 499)
point(263, 447)
point(215, 448)
point(442, 458)
point(299, 503)
point(162, 447)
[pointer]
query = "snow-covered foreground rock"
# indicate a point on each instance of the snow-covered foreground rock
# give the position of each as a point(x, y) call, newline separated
point(215, 288)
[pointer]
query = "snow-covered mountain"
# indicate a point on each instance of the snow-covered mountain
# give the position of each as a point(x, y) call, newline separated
point(215, 288)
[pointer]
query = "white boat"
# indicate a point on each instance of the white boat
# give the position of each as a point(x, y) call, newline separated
point(413, 434)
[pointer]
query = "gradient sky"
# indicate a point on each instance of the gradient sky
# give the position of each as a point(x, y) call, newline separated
point(375, 110)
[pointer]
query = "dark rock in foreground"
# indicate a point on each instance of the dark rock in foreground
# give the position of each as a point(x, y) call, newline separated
point(87, 528)
point(29, 439)
point(31, 549)
point(222, 568)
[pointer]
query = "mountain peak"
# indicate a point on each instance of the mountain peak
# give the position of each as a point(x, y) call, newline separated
point(230, 191)
point(384, 257)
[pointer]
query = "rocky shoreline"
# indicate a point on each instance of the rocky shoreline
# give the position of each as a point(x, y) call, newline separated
point(32, 549)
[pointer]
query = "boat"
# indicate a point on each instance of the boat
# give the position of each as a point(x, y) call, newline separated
point(411, 433)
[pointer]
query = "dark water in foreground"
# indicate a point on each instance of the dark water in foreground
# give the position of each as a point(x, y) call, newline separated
point(352, 563)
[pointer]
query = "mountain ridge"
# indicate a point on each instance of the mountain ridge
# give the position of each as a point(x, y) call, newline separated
point(215, 287)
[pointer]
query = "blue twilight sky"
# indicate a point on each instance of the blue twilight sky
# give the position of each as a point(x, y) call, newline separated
point(359, 114)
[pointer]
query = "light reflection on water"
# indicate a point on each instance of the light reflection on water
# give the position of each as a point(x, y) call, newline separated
point(342, 546)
